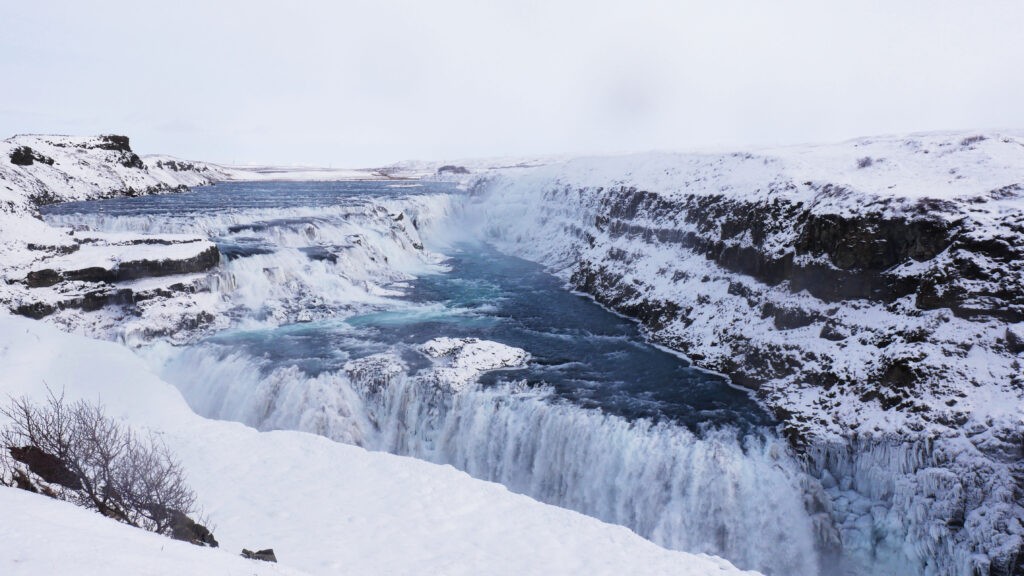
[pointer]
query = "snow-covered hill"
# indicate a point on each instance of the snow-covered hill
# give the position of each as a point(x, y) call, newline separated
point(325, 508)
point(871, 293)
point(39, 535)
point(39, 169)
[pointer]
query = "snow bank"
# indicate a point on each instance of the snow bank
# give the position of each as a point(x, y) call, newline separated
point(324, 507)
point(462, 360)
point(39, 535)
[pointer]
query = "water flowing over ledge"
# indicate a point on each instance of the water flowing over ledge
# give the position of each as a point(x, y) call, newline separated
point(718, 492)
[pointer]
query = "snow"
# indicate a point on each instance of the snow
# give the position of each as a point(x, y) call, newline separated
point(464, 359)
point(324, 507)
point(164, 164)
point(43, 536)
point(83, 169)
point(546, 214)
point(110, 256)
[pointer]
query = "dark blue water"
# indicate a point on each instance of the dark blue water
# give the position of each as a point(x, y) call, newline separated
point(588, 355)
point(250, 195)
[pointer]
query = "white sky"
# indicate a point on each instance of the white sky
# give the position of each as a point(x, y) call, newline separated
point(359, 83)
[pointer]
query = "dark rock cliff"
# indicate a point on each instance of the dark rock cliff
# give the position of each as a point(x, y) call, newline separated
point(878, 329)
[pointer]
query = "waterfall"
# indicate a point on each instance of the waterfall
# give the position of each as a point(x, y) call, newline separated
point(716, 492)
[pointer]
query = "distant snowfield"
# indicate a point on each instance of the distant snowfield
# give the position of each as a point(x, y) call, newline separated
point(325, 508)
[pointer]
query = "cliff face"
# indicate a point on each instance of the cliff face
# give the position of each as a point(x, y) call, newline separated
point(869, 293)
point(58, 271)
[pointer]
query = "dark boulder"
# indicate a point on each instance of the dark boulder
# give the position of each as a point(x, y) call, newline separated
point(132, 160)
point(1015, 340)
point(788, 318)
point(834, 332)
point(47, 466)
point(115, 143)
point(22, 156)
point(264, 555)
point(188, 530)
point(26, 156)
point(35, 310)
point(42, 278)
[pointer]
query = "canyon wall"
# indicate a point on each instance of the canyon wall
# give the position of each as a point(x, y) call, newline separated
point(868, 293)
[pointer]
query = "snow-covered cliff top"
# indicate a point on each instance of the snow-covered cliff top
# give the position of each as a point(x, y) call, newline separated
point(976, 166)
point(38, 169)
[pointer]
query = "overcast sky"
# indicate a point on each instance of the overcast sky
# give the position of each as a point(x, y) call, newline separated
point(367, 83)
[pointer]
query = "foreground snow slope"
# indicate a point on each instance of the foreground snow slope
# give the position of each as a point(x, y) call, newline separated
point(39, 535)
point(324, 507)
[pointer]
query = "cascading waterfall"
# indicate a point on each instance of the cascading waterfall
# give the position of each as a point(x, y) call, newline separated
point(717, 492)
point(297, 263)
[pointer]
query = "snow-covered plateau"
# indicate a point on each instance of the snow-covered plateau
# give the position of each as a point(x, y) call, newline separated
point(868, 294)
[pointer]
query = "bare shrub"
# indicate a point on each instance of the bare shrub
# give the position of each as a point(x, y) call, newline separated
point(75, 452)
point(865, 162)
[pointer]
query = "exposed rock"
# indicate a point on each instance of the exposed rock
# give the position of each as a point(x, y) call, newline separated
point(188, 530)
point(47, 466)
point(1015, 338)
point(25, 156)
point(834, 332)
point(180, 166)
point(264, 555)
point(126, 270)
point(114, 142)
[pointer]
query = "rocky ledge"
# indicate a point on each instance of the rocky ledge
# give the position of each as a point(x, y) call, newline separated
point(106, 269)
point(61, 273)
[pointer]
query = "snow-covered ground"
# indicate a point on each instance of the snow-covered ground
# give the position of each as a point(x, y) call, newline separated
point(257, 173)
point(173, 284)
point(39, 535)
point(324, 507)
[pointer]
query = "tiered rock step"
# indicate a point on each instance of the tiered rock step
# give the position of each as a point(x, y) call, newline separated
point(101, 269)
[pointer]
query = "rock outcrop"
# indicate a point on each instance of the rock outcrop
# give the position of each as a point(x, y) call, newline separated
point(50, 272)
point(264, 555)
